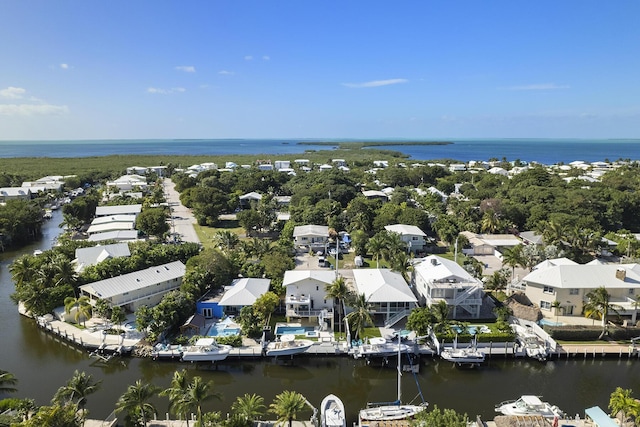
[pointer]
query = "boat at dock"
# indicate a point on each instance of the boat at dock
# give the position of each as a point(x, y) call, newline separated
point(332, 412)
point(468, 356)
point(206, 350)
point(378, 347)
point(529, 405)
point(378, 414)
point(530, 344)
point(166, 351)
point(288, 345)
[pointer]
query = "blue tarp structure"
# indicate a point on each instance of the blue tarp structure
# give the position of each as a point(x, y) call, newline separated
point(346, 238)
point(599, 417)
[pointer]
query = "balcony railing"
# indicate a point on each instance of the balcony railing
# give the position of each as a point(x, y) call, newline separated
point(294, 312)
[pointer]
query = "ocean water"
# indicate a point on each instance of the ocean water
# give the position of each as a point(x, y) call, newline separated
point(546, 151)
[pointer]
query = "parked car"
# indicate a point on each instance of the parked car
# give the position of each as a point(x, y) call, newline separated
point(322, 262)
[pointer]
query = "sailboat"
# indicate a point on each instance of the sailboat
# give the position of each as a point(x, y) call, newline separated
point(375, 414)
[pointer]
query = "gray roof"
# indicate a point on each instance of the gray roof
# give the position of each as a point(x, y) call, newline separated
point(133, 281)
point(113, 218)
point(586, 276)
point(96, 254)
point(110, 226)
point(405, 230)
point(382, 285)
point(434, 268)
point(311, 230)
point(244, 292)
point(114, 235)
point(118, 210)
point(295, 276)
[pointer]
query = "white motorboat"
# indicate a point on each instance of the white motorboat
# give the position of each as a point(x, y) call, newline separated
point(206, 350)
point(530, 344)
point(463, 356)
point(378, 347)
point(529, 405)
point(166, 351)
point(377, 413)
point(332, 412)
point(288, 345)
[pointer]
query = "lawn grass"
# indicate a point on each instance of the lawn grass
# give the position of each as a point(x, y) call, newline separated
point(206, 234)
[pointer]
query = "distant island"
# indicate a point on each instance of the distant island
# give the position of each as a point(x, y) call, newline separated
point(362, 144)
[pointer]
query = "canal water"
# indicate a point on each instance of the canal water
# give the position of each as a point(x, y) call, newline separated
point(42, 364)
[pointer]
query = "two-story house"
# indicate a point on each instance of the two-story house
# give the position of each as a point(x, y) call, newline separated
point(306, 294)
point(413, 236)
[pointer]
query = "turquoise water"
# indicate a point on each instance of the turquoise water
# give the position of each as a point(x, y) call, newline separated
point(222, 330)
point(546, 151)
point(293, 330)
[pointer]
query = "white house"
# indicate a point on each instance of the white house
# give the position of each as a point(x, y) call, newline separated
point(439, 279)
point(375, 194)
point(96, 254)
point(110, 226)
point(118, 236)
point(569, 283)
point(413, 236)
point(489, 244)
point(389, 297)
point(132, 290)
point(306, 293)
point(314, 236)
point(128, 183)
point(14, 193)
point(118, 210)
point(242, 292)
point(246, 199)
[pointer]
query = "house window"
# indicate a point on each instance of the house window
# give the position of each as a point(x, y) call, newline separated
point(207, 312)
point(548, 289)
point(414, 238)
point(545, 305)
point(317, 288)
point(574, 291)
point(632, 291)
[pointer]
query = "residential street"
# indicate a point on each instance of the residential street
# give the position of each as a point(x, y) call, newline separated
point(182, 218)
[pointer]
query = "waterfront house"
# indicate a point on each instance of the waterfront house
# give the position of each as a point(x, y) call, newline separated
point(388, 294)
point(96, 254)
point(569, 283)
point(306, 294)
point(117, 236)
point(132, 290)
point(118, 210)
point(439, 279)
point(242, 293)
point(14, 193)
point(314, 236)
point(111, 226)
point(413, 236)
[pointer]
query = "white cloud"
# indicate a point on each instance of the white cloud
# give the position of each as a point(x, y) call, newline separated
point(160, 91)
point(12, 92)
point(226, 73)
point(376, 83)
point(32, 109)
point(65, 66)
point(539, 86)
point(186, 68)
point(266, 57)
point(248, 58)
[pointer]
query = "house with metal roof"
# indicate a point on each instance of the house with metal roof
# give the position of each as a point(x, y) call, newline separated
point(96, 254)
point(118, 210)
point(118, 236)
point(388, 294)
point(132, 290)
point(569, 284)
point(306, 293)
point(440, 279)
point(314, 236)
point(242, 293)
point(413, 236)
point(14, 193)
point(489, 244)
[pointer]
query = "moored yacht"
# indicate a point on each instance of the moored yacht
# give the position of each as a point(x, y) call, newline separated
point(206, 350)
point(529, 405)
point(288, 345)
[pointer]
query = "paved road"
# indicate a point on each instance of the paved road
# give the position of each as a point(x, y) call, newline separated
point(182, 218)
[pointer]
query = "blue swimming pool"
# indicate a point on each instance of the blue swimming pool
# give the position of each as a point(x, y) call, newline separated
point(547, 322)
point(222, 330)
point(293, 330)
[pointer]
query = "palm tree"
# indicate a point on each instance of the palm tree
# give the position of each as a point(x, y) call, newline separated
point(199, 392)
point(63, 270)
point(135, 401)
point(249, 406)
point(440, 316)
point(82, 305)
point(360, 317)
point(79, 386)
point(339, 291)
point(623, 404)
point(490, 222)
point(7, 381)
point(176, 394)
point(513, 257)
point(403, 264)
point(23, 269)
point(556, 306)
point(287, 405)
point(226, 240)
point(598, 306)
point(376, 246)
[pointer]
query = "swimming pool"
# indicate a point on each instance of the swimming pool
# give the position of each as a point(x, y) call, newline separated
point(223, 329)
point(547, 322)
point(471, 329)
point(293, 330)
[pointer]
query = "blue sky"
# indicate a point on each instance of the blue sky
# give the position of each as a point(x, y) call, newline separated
point(319, 69)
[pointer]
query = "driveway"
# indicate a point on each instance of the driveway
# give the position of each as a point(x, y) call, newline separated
point(182, 218)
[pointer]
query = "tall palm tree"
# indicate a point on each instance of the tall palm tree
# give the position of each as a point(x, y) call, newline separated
point(360, 317)
point(340, 292)
point(226, 240)
point(287, 405)
point(598, 306)
point(82, 305)
point(490, 222)
point(176, 394)
point(402, 262)
point(199, 392)
point(249, 406)
point(135, 401)
point(63, 270)
point(622, 404)
point(376, 245)
point(440, 316)
point(513, 258)
point(23, 269)
point(76, 390)
point(7, 381)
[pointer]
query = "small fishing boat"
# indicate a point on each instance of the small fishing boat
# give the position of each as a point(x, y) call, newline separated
point(206, 350)
point(288, 345)
point(332, 412)
point(469, 356)
point(529, 405)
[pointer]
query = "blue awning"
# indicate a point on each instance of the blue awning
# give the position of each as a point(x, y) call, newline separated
point(599, 417)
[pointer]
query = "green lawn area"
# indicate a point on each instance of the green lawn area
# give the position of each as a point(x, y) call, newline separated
point(205, 234)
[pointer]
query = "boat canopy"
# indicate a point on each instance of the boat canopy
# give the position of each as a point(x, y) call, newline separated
point(599, 417)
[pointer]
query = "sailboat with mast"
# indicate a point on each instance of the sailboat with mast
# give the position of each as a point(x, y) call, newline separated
point(375, 414)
